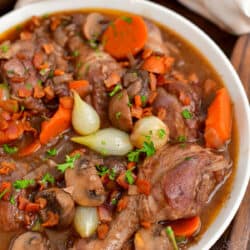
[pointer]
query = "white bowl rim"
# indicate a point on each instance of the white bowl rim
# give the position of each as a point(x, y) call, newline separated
point(208, 48)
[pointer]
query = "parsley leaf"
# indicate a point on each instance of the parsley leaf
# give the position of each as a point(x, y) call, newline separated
point(182, 138)
point(118, 115)
point(22, 184)
point(143, 99)
point(103, 170)
point(161, 133)
point(186, 114)
point(9, 150)
point(5, 191)
point(114, 201)
point(129, 177)
point(52, 152)
point(4, 48)
point(134, 156)
point(115, 90)
point(148, 148)
point(127, 19)
point(75, 53)
point(12, 200)
point(93, 43)
point(48, 178)
point(69, 162)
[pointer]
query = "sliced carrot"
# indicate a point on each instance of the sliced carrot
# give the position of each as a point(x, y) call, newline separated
point(112, 80)
point(136, 112)
point(131, 165)
point(138, 102)
point(58, 72)
point(124, 36)
point(9, 105)
point(24, 92)
point(48, 48)
point(146, 53)
point(144, 186)
point(155, 64)
point(102, 231)
point(66, 102)
point(54, 23)
point(152, 82)
point(25, 35)
point(43, 66)
point(146, 224)
point(37, 59)
point(122, 203)
point(60, 122)
point(32, 207)
point(78, 84)
point(38, 92)
point(219, 120)
point(30, 149)
point(36, 21)
point(49, 92)
point(186, 227)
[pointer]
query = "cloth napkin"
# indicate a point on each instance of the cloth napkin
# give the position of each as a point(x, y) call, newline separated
point(231, 15)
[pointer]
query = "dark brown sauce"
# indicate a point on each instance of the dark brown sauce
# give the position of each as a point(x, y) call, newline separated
point(192, 60)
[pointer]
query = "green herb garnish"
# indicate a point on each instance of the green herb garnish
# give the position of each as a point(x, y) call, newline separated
point(22, 184)
point(129, 177)
point(4, 48)
point(118, 115)
point(75, 53)
point(69, 162)
point(28, 86)
point(43, 72)
point(52, 152)
point(161, 133)
point(143, 99)
point(103, 170)
point(93, 43)
point(115, 90)
point(5, 191)
point(12, 200)
point(9, 150)
point(186, 114)
point(171, 236)
point(127, 19)
point(182, 138)
point(114, 201)
point(48, 178)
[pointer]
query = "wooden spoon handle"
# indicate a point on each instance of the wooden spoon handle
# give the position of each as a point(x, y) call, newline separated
point(240, 234)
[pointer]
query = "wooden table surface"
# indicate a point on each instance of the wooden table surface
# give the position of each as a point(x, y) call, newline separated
point(227, 43)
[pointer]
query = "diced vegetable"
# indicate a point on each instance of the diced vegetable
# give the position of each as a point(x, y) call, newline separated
point(30, 149)
point(85, 119)
point(219, 120)
point(9, 150)
point(122, 38)
point(86, 221)
point(152, 127)
point(60, 122)
point(69, 162)
point(22, 184)
point(186, 227)
point(171, 236)
point(109, 141)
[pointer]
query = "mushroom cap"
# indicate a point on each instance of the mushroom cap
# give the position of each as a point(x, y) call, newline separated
point(30, 241)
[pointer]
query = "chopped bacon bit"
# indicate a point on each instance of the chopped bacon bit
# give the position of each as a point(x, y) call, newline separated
point(185, 99)
point(36, 21)
point(122, 203)
point(43, 66)
point(58, 72)
point(161, 114)
point(146, 224)
point(9, 105)
point(22, 202)
point(17, 79)
point(121, 180)
point(7, 167)
point(104, 214)
point(38, 92)
point(24, 92)
point(161, 80)
point(138, 101)
point(112, 80)
point(25, 35)
point(37, 59)
point(147, 111)
point(49, 92)
point(146, 53)
point(5, 187)
point(102, 231)
point(168, 61)
point(48, 48)
point(153, 81)
point(53, 219)
point(136, 112)
point(41, 202)
point(193, 78)
point(54, 23)
point(131, 165)
point(152, 97)
point(32, 207)
point(144, 186)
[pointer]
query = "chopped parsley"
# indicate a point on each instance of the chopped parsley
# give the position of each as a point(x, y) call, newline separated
point(69, 162)
point(51, 74)
point(187, 158)
point(86, 68)
point(43, 72)
point(22, 184)
point(45, 16)
point(114, 201)
point(4, 48)
point(22, 108)
point(5, 191)
point(75, 53)
point(181, 138)
point(40, 82)
point(79, 65)
point(9, 150)
point(103, 170)
point(143, 99)
point(134, 155)
point(93, 43)
point(48, 178)
point(11, 71)
point(171, 236)
point(12, 200)
point(129, 177)
point(52, 152)
point(28, 86)
point(161, 133)
point(186, 114)
point(120, 95)
point(115, 90)
point(112, 174)
point(127, 19)
point(118, 115)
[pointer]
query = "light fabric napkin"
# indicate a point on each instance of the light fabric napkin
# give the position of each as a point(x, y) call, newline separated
point(231, 15)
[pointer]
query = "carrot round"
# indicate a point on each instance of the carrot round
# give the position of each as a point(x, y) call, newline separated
point(30, 149)
point(219, 120)
point(124, 36)
point(60, 122)
point(186, 227)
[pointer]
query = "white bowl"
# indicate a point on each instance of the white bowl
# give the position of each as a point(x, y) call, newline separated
point(209, 49)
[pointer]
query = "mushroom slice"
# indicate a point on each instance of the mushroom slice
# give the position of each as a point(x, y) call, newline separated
point(94, 26)
point(87, 185)
point(30, 241)
point(60, 203)
point(119, 111)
